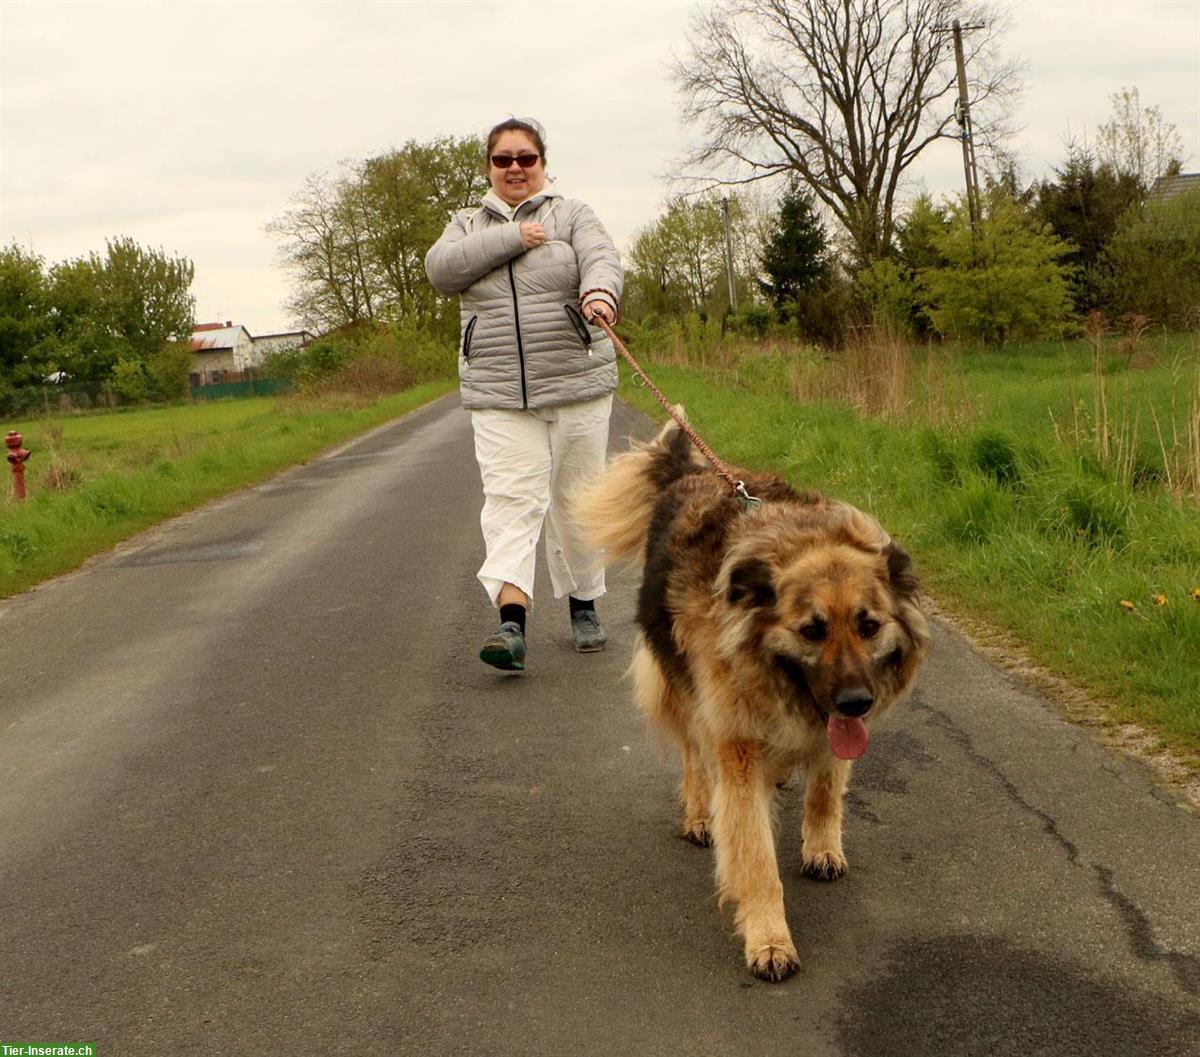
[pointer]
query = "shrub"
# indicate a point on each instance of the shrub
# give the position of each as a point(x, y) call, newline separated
point(994, 455)
point(754, 319)
point(1000, 283)
point(886, 294)
point(940, 453)
point(169, 371)
point(979, 511)
point(130, 381)
point(1098, 514)
point(1153, 260)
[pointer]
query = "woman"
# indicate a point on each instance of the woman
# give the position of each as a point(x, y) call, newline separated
point(532, 269)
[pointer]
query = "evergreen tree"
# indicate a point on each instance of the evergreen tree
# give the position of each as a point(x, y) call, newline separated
point(1083, 206)
point(796, 257)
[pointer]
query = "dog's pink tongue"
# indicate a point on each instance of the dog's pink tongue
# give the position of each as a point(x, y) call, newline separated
point(847, 737)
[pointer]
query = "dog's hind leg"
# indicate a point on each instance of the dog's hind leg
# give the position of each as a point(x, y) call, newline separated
point(747, 870)
point(822, 856)
point(696, 796)
point(670, 711)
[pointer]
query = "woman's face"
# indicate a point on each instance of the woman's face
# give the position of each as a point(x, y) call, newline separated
point(515, 184)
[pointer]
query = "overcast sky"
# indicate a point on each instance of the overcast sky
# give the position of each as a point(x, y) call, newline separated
point(189, 125)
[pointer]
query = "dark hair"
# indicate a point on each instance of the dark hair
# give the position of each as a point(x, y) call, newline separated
point(527, 125)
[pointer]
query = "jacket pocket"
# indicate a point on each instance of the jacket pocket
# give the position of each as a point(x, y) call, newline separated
point(467, 334)
point(581, 328)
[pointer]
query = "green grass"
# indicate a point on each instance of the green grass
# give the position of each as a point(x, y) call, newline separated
point(97, 479)
point(992, 474)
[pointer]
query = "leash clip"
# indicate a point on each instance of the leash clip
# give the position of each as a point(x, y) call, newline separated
point(748, 501)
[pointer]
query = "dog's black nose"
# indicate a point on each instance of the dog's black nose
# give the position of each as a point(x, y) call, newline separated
point(854, 701)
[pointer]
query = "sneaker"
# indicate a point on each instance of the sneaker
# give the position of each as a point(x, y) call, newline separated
point(589, 635)
point(505, 648)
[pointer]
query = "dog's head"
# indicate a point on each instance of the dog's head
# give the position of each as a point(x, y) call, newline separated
point(826, 602)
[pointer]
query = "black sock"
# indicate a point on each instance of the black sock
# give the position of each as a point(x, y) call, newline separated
point(514, 612)
point(579, 605)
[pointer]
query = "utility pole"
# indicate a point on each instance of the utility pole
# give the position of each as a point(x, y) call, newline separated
point(962, 114)
point(729, 255)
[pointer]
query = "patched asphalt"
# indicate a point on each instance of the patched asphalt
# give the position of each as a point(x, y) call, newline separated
point(256, 790)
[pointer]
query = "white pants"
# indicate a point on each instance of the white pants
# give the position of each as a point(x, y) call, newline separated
point(530, 462)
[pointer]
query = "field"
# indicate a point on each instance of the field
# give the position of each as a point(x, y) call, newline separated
point(1050, 491)
point(96, 479)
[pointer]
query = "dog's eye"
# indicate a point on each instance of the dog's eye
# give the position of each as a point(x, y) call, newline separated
point(814, 632)
point(868, 628)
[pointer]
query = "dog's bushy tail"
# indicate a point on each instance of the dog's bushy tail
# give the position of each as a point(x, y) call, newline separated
point(614, 512)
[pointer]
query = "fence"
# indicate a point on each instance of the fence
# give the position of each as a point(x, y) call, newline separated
point(257, 387)
point(38, 400)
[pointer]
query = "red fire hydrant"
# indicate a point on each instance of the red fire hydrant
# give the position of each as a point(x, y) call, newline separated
point(16, 457)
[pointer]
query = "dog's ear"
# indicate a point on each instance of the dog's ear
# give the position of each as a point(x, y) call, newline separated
point(751, 583)
point(900, 570)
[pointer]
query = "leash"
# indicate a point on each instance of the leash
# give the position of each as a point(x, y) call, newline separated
point(739, 487)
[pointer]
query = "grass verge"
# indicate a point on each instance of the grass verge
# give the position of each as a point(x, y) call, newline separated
point(1039, 491)
point(95, 480)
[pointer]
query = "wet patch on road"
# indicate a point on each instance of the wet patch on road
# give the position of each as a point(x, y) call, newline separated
point(883, 769)
point(977, 996)
point(217, 551)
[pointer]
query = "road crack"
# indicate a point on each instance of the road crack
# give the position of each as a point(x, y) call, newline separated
point(1139, 930)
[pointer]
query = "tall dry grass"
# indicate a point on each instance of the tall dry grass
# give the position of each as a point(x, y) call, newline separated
point(1112, 432)
point(881, 374)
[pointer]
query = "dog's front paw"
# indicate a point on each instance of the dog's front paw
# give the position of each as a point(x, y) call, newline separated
point(697, 832)
point(825, 866)
point(772, 962)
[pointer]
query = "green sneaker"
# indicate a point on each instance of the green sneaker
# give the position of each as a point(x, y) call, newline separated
point(589, 635)
point(505, 648)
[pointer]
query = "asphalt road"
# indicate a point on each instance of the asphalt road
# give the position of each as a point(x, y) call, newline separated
point(258, 796)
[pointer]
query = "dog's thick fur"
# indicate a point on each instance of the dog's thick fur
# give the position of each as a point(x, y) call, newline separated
point(764, 632)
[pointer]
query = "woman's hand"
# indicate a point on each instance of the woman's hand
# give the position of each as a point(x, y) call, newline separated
point(599, 309)
point(532, 234)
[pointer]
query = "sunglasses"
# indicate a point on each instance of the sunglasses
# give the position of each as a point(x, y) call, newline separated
point(527, 160)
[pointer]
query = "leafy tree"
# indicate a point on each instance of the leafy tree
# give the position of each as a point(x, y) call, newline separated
point(1138, 142)
point(146, 296)
point(1153, 260)
point(355, 243)
point(24, 315)
point(677, 264)
point(890, 290)
point(1006, 281)
point(1083, 206)
point(128, 303)
point(796, 257)
point(81, 342)
point(845, 95)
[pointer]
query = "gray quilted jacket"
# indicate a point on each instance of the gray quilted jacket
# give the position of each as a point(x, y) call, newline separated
point(523, 342)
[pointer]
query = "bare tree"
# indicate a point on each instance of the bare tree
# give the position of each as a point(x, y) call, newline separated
point(846, 94)
point(1139, 142)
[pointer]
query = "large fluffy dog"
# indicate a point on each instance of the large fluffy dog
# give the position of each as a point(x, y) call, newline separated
point(771, 637)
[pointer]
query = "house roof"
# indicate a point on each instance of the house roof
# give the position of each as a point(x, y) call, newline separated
point(1171, 186)
point(207, 337)
point(284, 334)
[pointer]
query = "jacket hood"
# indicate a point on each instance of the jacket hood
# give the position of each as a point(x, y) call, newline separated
point(502, 209)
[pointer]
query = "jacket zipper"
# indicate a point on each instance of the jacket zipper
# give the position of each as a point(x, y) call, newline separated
point(580, 327)
point(520, 347)
point(467, 337)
